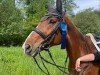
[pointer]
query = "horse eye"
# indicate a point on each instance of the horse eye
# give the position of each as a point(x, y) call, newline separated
point(52, 21)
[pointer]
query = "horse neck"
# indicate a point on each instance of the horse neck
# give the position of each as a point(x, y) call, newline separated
point(77, 44)
point(75, 40)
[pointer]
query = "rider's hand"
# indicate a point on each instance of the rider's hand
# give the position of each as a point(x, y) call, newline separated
point(77, 65)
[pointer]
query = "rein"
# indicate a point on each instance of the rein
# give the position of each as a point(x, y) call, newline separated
point(62, 69)
point(46, 45)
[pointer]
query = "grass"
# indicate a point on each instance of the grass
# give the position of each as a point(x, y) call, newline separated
point(13, 61)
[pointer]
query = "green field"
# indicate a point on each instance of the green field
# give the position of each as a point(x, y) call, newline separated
point(13, 61)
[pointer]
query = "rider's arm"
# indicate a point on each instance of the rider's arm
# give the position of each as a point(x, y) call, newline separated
point(88, 57)
point(85, 58)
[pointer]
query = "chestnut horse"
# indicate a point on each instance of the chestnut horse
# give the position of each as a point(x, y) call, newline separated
point(77, 44)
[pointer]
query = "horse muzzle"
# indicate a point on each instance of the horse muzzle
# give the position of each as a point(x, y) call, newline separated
point(29, 50)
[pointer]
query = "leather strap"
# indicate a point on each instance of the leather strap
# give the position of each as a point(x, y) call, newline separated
point(40, 33)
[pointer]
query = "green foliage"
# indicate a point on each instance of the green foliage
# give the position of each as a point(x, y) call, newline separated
point(14, 62)
point(87, 21)
point(98, 14)
point(35, 9)
point(69, 5)
point(11, 39)
point(11, 23)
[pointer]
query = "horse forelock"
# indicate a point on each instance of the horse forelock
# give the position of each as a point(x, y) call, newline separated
point(52, 13)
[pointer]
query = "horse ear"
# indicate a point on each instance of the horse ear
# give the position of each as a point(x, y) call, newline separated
point(59, 6)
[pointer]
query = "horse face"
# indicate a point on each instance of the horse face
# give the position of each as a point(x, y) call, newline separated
point(34, 40)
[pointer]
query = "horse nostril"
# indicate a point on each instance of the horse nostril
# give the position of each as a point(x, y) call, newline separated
point(27, 46)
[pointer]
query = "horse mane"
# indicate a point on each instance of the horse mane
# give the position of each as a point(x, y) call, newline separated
point(84, 41)
point(79, 45)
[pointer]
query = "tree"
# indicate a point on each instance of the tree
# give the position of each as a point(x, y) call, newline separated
point(10, 23)
point(69, 5)
point(97, 12)
point(35, 9)
point(87, 21)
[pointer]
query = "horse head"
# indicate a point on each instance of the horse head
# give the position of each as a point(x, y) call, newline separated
point(47, 32)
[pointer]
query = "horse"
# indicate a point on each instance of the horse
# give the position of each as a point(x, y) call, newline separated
point(77, 44)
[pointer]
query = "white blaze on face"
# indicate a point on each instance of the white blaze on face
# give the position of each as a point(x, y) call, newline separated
point(35, 42)
point(23, 46)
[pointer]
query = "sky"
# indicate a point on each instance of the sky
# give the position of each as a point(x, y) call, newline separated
point(84, 4)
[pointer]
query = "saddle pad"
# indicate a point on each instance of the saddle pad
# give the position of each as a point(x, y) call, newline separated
point(97, 44)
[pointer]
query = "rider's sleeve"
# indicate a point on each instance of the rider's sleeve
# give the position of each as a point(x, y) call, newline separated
point(97, 56)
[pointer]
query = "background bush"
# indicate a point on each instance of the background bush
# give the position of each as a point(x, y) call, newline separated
point(87, 21)
point(17, 20)
point(14, 27)
point(11, 39)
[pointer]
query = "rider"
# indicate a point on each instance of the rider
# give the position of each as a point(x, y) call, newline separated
point(89, 57)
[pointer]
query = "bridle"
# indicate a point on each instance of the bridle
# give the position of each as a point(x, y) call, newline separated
point(48, 38)
point(45, 45)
